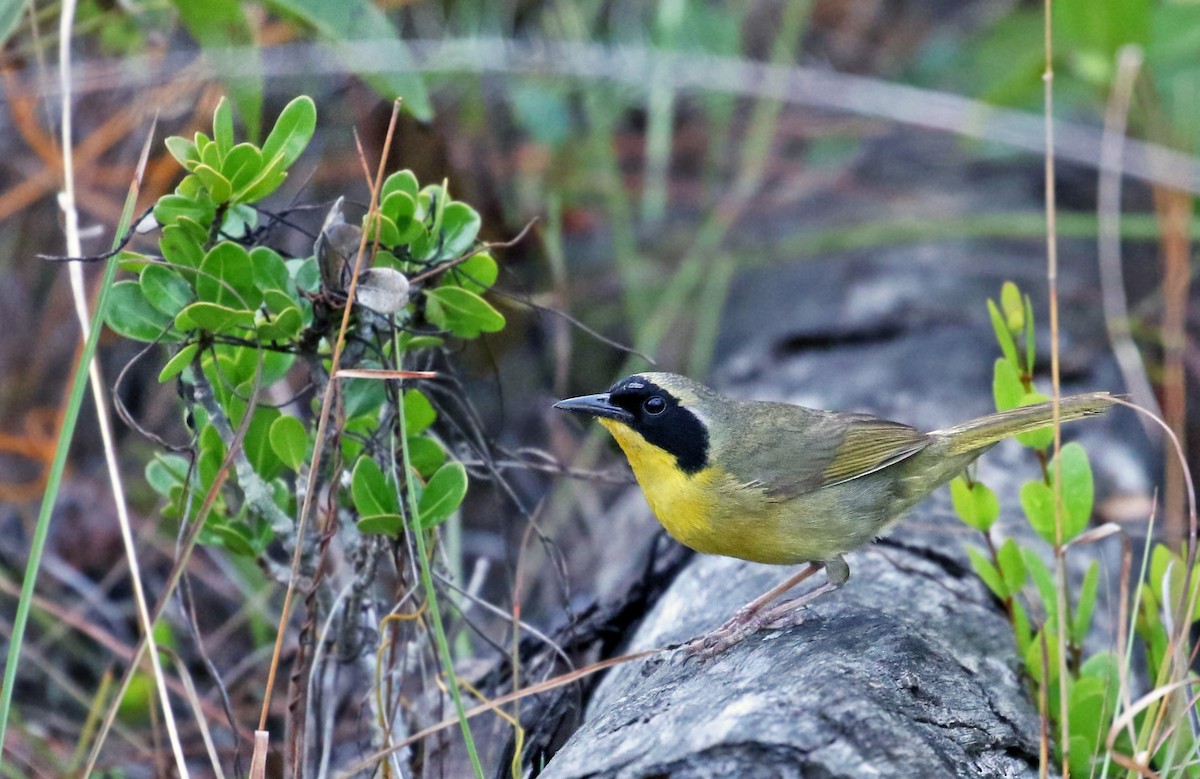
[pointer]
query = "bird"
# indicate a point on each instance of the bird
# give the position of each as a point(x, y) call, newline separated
point(783, 484)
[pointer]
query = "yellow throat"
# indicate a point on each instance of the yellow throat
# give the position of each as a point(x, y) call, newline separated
point(682, 502)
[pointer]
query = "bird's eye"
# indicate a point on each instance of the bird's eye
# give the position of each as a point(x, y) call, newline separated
point(654, 405)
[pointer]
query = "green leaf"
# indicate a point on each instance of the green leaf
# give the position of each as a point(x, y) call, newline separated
point(242, 166)
point(1163, 560)
point(214, 318)
point(1098, 28)
point(975, 504)
point(165, 289)
point(131, 315)
point(1078, 490)
point(1044, 581)
point(431, 202)
point(371, 492)
point(223, 127)
point(170, 208)
point(284, 326)
point(475, 274)
point(363, 396)
point(1003, 336)
point(442, 495)
point(1013, 307)
point(987, 572)
point(1082, 749)
point(381, 524)
point(1037, 499)
point(232, 536)
point(1088, 721)
point(178, 247)
point(418, 412)
point(212, 453)
point(461, 312)
point(1034, 664)
point(1082, 620)
point(401, 181)
point(289, 440)
point(190, 187)
point(1012, 567)
point(1041, 438)
point(198, 232)
point(177, 364)
point(210, 155)
point(1164, 563)
point(401, 208)
point(277, 301)
point(227, 278)
point(292, 132)
point(1007, 389)
point(1105, 667)
point(388, 234)
point(409, 342)
point(184, 151)
point(305, 274)
point(267, 181)
point(257, 442)
point(133, 261)
point(269, 271)
point(166, 471)
point(460, 228)
point(425, 455)
point(235, 365)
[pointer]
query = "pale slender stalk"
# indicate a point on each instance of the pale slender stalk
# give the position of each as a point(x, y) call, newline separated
point(66, 202)
point(1108, 244)
point(71, 412)
point(1060, 551)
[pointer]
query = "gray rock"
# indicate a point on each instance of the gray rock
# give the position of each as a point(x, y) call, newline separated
point(897, 675)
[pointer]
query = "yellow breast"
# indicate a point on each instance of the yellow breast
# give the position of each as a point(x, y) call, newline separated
point(680, 501)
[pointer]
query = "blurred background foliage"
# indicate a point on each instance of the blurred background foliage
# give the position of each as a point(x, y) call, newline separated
point(661, 146)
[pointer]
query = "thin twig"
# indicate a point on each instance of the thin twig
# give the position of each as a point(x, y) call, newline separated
point(445, 266)
point(526, 301)
point(113, 252)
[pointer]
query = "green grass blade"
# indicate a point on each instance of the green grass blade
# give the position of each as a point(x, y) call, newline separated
point(79, 384)
point(435, 615)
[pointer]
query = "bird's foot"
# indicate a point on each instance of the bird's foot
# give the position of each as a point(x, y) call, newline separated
point(743, 625)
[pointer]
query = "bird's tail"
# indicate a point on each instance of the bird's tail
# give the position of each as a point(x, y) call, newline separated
point(983, 432)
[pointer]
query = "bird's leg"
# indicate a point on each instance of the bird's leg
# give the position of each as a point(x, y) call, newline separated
point(788, 613)
point(752, 616)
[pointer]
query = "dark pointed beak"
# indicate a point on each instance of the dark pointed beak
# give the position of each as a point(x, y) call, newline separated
point(595, 406)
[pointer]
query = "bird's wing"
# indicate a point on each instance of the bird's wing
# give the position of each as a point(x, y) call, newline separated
point(813, 449)
point(870, 444)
